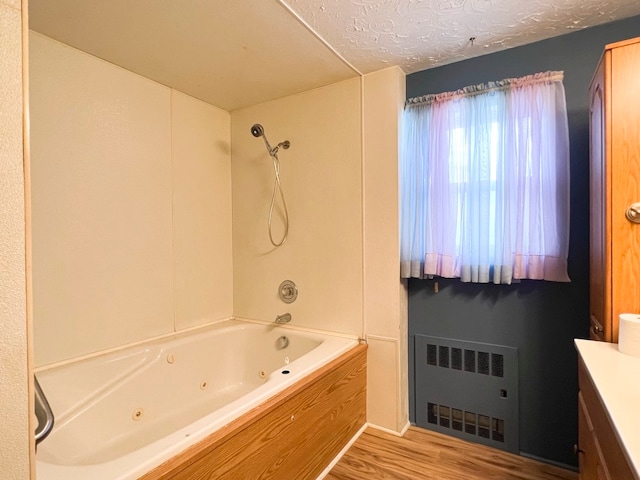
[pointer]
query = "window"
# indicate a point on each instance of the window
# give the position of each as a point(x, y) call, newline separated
point(485, 182)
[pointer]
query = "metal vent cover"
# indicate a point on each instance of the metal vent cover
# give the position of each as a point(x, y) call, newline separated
point(468, 390)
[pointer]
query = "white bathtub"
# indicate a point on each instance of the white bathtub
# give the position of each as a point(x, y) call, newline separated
point(121, 414)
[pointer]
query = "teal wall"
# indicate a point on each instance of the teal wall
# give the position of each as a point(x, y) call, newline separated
point(541, 319)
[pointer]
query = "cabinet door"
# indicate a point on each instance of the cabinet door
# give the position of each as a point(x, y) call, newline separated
point(599, 231)
point(587, 456)
point(590, 458)
point(625, 180)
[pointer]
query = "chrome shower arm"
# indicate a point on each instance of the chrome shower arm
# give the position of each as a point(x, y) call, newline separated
point(268, 145)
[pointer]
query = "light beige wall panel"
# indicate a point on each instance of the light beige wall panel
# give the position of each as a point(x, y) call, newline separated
point(14, 414)
point(202, 211)
point(321, 178)
point(382, 367)
point(403, 357)
point(384, 98)
point(385, 295)
point(101, 170)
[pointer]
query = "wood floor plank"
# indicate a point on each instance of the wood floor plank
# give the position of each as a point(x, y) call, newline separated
point(425, 455)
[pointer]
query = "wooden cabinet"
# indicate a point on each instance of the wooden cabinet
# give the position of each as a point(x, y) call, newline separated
point(615, 185)
point(600, 455)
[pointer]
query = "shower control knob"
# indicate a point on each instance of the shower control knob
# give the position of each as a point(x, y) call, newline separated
point(288, 291)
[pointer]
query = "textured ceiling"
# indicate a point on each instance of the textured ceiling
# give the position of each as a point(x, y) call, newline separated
point(420, 34)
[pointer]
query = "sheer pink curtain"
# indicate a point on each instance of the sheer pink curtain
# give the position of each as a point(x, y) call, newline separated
point(485, 182)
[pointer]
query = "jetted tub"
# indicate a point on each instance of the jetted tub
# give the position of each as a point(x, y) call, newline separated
point(121, 414)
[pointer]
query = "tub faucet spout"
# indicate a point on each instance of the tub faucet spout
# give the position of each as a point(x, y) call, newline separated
point(284, 318)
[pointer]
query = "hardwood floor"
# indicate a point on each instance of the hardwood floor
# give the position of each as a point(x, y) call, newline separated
point(422, 454)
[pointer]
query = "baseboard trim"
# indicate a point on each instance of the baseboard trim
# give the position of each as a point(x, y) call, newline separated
point(573, 468)
point(337, 458)
point(391, 432)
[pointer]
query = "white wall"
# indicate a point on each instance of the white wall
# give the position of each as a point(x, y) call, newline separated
point(15, 433)
point(322, 181)
point(131, 200)
point(385, 297)
point(203, 262)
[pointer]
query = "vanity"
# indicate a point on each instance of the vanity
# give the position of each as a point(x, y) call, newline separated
point(608, 412)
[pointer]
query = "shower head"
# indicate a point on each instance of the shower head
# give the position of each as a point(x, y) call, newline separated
point(257, 130)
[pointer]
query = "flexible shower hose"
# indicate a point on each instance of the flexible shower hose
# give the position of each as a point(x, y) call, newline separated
point(277, 187)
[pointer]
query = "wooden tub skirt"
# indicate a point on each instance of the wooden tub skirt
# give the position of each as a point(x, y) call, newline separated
point(292, 436)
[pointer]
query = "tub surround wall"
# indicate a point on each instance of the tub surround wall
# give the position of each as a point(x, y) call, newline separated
point(203, 263)
point(132, 245)
point(342, 249)
point(129, 246)
point(322, 181)
point(101, 170)
point(131, 201)
point(14, 394)
point(385, 297)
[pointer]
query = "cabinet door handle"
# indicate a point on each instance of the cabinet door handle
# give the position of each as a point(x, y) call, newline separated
point(633, 212)
point(597, 330)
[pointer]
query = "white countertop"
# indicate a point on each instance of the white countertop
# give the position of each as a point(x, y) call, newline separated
point(616, 377)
